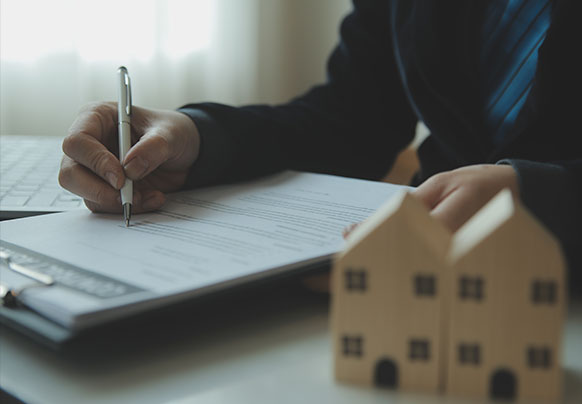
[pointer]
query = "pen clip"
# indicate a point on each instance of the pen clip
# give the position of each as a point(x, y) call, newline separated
point(23, 270)
point(128, 93)
point(9, 297)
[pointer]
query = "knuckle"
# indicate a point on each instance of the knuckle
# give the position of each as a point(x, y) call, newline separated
point(89, 107)
point(98, 108)
point(99, 161)
point(161, 145)
point(438, 180)
point(96, 114)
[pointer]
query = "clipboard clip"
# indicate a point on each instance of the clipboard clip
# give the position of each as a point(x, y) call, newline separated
point(9, 296)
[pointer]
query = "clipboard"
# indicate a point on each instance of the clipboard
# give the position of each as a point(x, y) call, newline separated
point(162, 323)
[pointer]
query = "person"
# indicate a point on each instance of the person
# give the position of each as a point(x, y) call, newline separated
point(495, 82)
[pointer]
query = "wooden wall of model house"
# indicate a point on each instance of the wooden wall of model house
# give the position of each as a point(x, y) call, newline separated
point(387, 299)
point(479, 314)
point(507, 306)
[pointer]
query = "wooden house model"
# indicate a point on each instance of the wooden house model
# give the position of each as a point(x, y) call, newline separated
point(387, 299)
point(507, 306)
point(476, 314)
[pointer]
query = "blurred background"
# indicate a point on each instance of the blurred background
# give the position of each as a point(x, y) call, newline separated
point(57, 55)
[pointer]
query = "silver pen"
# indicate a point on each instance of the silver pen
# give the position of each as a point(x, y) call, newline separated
point(124, 117)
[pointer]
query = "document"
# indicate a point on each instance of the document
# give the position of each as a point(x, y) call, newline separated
point(200, 241)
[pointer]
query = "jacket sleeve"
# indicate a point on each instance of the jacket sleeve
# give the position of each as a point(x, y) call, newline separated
point(353, 125)
point(547, 156)
point(553, 193)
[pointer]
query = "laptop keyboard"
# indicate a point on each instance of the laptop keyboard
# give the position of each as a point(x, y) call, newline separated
point(29, 167)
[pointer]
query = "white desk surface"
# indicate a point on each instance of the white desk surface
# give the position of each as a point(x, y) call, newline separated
point(273, 357)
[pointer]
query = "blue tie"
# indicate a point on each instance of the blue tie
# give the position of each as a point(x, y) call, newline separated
point(513, 31)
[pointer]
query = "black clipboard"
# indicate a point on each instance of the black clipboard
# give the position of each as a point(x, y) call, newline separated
point(166, 322)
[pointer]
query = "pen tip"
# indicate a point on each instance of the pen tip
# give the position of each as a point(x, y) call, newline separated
point(126, 213)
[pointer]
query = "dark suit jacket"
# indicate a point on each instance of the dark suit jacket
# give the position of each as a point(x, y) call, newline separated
point(403, 61)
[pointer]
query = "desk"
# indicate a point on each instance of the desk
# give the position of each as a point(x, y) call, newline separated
point(262, 353)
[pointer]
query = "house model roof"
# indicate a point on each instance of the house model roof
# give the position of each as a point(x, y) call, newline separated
point(402, 206)
point(502, 212)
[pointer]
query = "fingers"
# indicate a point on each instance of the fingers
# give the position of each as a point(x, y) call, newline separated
point(89, 152)
point(150, 199)
point(100, 196)
point(434, 190)
point(456, 209)
point(143, 202)
point(91, 169)
point(91, 133)
point(152, 150)
point(451, 198)
point(454, 196)
point(80, 180)
point(170, 139)
point(96, 120)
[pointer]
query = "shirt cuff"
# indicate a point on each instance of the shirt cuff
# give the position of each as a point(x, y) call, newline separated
point(216, 150)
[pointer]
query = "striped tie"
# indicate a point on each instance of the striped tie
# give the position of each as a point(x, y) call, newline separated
point(513, 31)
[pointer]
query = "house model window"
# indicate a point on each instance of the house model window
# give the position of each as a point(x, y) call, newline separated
point(419, 349)
point(356, 279)
point(425, 285)
point(352, 345)
point(538, 357)
point(543, 292)
point(469, 354)
point(471, 287)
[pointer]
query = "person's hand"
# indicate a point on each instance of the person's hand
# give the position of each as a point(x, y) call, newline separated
point(454, 196)
point(165, 145)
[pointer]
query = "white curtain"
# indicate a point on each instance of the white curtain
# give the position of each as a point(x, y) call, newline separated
point(57, 55)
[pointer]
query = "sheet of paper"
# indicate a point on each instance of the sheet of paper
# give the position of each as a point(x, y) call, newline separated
point(198, 241)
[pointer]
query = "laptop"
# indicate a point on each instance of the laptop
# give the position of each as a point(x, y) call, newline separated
point(29, 167)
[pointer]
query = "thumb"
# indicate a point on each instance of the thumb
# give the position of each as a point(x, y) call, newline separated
point(146, 155)
point(172, 141)
point(158, 146)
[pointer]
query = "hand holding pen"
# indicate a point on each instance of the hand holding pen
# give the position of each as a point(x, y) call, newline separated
point(166, 146)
